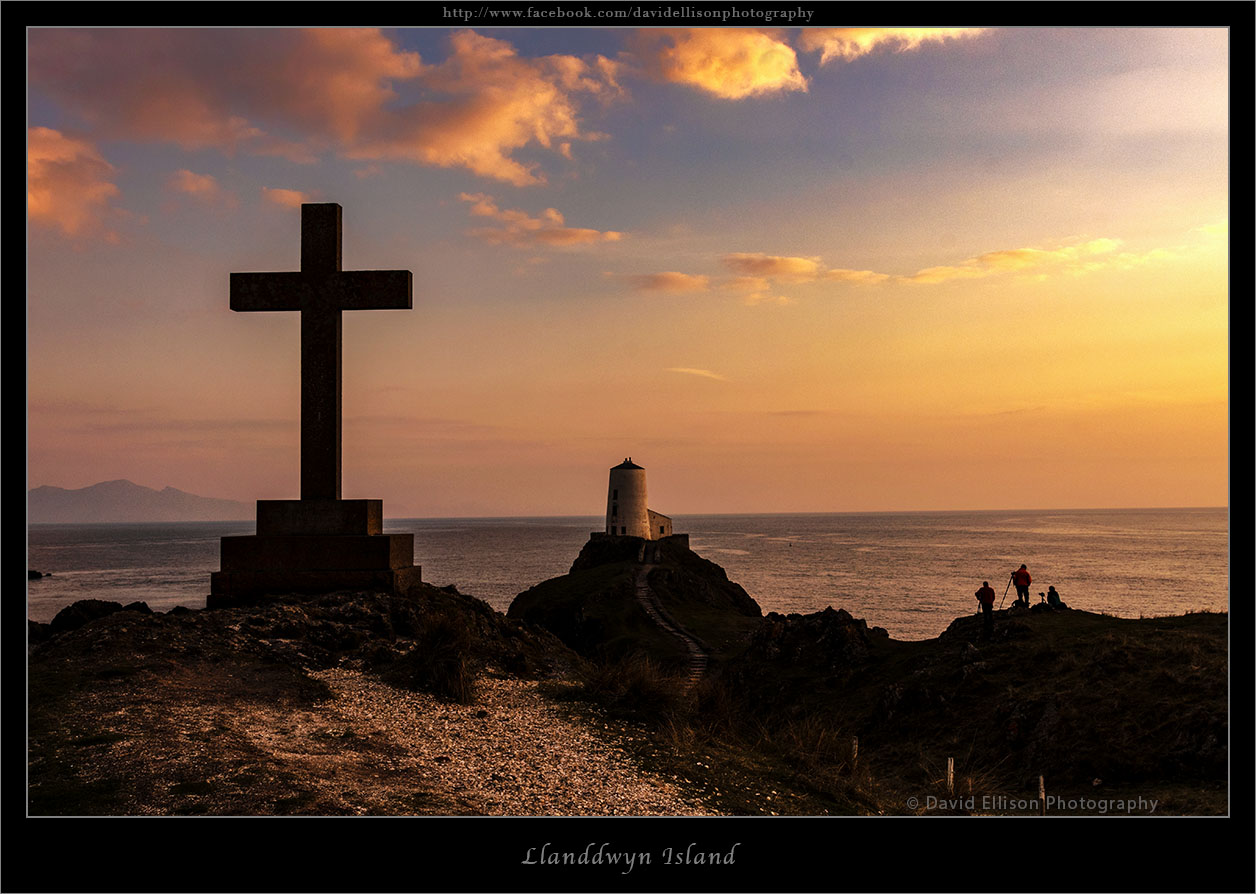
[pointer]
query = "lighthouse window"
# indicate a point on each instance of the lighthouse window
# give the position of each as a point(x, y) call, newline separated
point(614, 510)
point(623, 530)
point(615, 494)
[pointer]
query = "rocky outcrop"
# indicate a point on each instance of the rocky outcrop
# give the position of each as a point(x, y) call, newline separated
point(433, 639)
point(86, 610)
point(828, 639)
point(595, 610)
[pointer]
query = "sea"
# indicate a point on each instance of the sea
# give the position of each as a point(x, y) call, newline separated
point(912, 573)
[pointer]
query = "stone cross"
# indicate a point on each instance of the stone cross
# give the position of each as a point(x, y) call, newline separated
point(320, 291)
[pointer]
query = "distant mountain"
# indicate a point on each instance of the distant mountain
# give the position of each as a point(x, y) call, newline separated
point(125, 501)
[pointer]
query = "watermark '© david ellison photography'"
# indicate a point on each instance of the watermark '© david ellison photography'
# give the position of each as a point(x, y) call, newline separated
point(1054, 803)
point(602, 855)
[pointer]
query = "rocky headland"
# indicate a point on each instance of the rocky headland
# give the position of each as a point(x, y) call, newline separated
point(643, 682)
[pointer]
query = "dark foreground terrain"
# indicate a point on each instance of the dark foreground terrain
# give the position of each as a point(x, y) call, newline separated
point(361, 703)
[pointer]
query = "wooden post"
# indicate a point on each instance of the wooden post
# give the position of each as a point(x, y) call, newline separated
point(1042, 797)
point(854, 752)
point(950, 775)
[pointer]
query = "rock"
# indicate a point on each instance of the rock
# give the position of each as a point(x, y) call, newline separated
point(82, 612)
point(594, 608)
point(37, 633)
point(32, 574)
point(829, 639)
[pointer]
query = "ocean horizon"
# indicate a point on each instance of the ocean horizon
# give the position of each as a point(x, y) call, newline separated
point(911, 572)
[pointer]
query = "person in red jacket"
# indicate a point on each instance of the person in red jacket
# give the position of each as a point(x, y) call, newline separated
point(1021, 578)
point(986, 597)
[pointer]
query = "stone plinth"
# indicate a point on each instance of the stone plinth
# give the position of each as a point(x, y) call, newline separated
point(314, 546)
point(320, 517)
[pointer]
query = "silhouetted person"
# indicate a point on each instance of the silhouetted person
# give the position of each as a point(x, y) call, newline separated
point(1053, 599)
point(986, 597)
point(1022, 580)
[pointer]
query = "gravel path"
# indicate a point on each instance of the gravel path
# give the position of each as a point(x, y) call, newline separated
point(511, 753)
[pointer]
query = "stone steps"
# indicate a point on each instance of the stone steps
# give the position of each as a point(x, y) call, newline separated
point(697, 661)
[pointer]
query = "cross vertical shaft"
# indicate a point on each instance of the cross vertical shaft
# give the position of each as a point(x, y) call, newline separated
point(321, 370)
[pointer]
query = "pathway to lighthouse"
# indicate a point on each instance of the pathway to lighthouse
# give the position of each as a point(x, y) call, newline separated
point(650, 602)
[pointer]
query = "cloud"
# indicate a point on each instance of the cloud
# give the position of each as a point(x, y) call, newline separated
point(732, 63)
point(862, 277)
point(704, 373)
point(670, 281)
point(786, 269)
point(518, 228)
point(851, 43)
point(1071, 258)
point(758, 298)
point(745, 284)
point(757, 275)
point(68, 183)
point(288, 198)
point(203, 187)
point(185, 181)
point(495, 103)
point(758, 289)
point(298, 93)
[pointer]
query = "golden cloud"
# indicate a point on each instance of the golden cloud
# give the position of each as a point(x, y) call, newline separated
point(851, 43)
point(1071, 258)
point(745, 283)
point(732, 63)
point(757, 273)
point(704, 373)
point(788, 269)
point(759, 298)
point(865, 277)
point(670, 281)
point(497, 102)
point(519, 228)
point(67, 183)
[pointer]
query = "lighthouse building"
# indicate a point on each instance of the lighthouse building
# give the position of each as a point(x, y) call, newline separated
point(627, 509)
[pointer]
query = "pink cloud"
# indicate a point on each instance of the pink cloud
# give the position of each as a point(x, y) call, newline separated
point(519, 228)
point(203, 187)
point(288, 198)
point(300, 93)
point(68, 183)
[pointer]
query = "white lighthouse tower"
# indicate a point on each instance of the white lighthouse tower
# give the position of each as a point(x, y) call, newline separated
point(627, 508)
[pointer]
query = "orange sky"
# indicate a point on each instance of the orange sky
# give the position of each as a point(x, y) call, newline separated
point(795, 269)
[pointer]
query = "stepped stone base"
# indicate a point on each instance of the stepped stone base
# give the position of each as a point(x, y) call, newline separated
point(314, 546)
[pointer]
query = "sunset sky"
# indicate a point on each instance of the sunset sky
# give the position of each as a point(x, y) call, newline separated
point(784, 269)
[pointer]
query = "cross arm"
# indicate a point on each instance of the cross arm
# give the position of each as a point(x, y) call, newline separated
point(269, 291)
point(374, 290)
point(351, 290)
